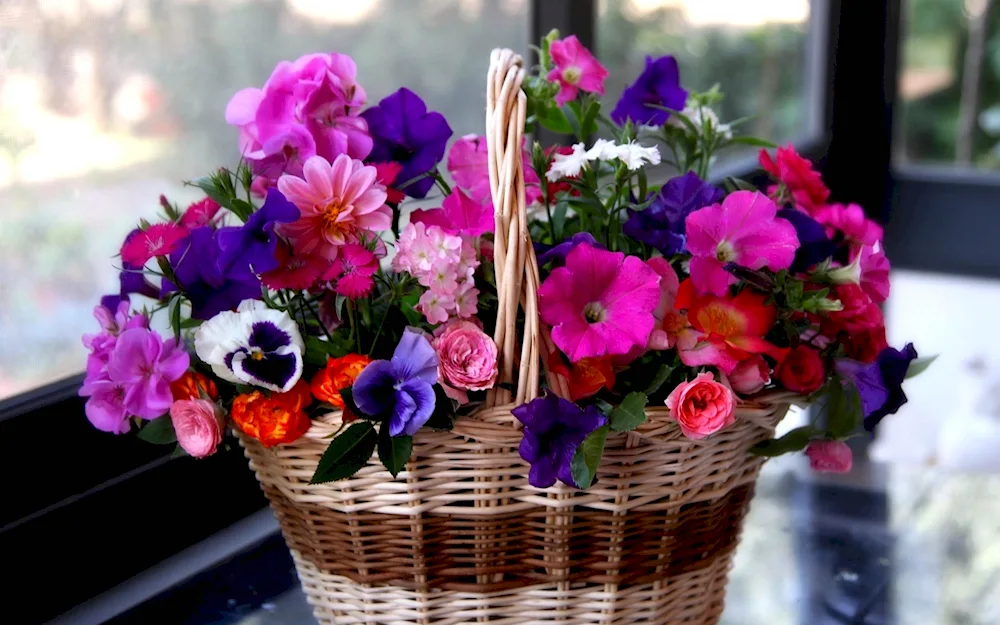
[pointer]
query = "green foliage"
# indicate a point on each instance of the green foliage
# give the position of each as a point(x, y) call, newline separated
point(920, 365)
point(629, 414)
point(587, 458)
point(393, 451)
point(443, 417)
point(158, 431)
point(843, 409)
point(795, 440)
point(347, 453)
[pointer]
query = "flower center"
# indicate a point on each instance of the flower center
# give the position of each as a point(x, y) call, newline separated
point(257, 355)
point(572, 74)
point(594, 312)
point(330, 225)
point(725, 252)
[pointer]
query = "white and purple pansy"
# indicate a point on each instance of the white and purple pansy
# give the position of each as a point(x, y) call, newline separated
point(255, 345)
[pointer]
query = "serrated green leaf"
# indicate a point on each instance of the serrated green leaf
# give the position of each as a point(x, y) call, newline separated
point(662, 375)
point(347, 453)
point(629, 414)
point(795, 440)
point(158, 432)
point(920, 365)
point(394, 451)
point(588, 457)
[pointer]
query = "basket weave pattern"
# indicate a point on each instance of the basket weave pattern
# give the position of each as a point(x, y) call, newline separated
point(461, 537)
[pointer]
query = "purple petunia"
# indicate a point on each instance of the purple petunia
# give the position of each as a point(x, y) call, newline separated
point(406, 133)
point(251, 248)
point(880, 383)
point(662, 224)
point(211, 286)
point(402, 388)
point(553, 430)
point(556, 254)
point(657, 85)
point(814, 245)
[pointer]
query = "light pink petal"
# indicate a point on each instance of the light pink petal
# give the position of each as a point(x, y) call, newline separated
point(694, 352)
point(773, 246)
point(361, 180)
point(369, 201)
point(340, 174)
point(242, 107)
point(318, 176)
point(708, 275)
point(301, 193)
point(705, 227)
point(377, 220)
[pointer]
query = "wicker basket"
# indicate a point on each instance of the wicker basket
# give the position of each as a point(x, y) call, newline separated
point(461, 537)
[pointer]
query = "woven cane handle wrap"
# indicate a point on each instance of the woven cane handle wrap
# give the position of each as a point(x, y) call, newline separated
point(514, 257)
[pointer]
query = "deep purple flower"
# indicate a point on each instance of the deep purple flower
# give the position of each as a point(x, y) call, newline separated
point(553, 430)
point(658, 85)
point(814, 245)
point(203, 278)
point(556, 254)
point(250, 249)
point(662, 224)
point(401, 389)
point(406, 133)
point(880, 383)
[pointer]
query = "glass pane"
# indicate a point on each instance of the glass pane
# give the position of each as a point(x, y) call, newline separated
point(949, 84)
point(756, 51)
point(106, 104)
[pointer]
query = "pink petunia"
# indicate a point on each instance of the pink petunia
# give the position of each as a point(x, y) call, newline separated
point(339, 203)
point(599, 303)
point(850, 223)
point(459, 214)
point(875, 269)
point(669, 284)
point(467, 164)
point(157, 240)
point(745, 230)
point(575, 69)
point(356, 265)
point(200, 213)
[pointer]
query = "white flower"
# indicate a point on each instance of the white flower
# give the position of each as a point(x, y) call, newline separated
point(568, 165)
point(702, 116)
point(636, 156)
point(603, 150)
point(255, 345)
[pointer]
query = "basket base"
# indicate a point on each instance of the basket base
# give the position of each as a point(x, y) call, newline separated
point(337, 600)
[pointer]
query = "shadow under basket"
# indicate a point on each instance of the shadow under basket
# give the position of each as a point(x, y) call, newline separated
point(461, 537)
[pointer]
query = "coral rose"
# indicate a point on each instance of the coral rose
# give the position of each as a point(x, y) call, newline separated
point(193, 385)
point(338, 374)
point(702, 406)
point(198, 426)
point(801, 371)
point(750, 375)
point(467, 359)
point(274, 420)
point(830, 456)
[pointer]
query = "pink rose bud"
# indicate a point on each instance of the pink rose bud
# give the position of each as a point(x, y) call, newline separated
point(198, 426)
point(702, 407)
point(750, 375)
point(467, 358)
point(830, 456)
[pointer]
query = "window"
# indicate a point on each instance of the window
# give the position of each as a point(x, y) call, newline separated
point(106, 104)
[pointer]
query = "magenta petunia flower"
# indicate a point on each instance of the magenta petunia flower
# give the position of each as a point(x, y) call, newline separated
point(599, 303)
point(467, 164)
point(145, 365)
point(575, 69)
point(745, 230)
point(157, 240)
point(459, 214)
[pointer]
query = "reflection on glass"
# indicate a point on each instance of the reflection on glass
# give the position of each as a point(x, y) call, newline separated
point(755, 50)
point(106, 104)
point(949, 84)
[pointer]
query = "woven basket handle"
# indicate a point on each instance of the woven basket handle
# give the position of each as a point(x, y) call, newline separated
point(514, 256)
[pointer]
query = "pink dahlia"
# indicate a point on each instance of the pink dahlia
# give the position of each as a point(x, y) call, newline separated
point(599, 303)
point(157, 240)
point(338, 204)
point(745, 230)
point(575, 69)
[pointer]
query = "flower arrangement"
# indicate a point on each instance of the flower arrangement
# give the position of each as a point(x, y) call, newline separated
point(303, 284)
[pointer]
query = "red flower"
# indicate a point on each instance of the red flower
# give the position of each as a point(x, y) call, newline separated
point(200, 213)
point(275, 420)
point(865, 346)
point(586, 376)
point(801, 371)
point(798, 177)
point(157, 240)
point(386, 174)
point(860, 313)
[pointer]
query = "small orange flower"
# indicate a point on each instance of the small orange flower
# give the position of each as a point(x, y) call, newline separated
point(191, 385)
point(338, 374)
point(586, 377)
point(273, 420)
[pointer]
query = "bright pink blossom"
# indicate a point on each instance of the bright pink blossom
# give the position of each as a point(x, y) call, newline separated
point(848, 222)
point(459, 214)
point(659, 338)
point(798, 176)
point(339, 203)
point(139, 372)
point(599, 303)
point(468, 166)
point(830, 456)
point(355, 267)
point(575, 69)
point(745, 230)
point(198, 426)
point(875, 269)
point(702, 406)
point(387, 173)
point(157, 240)
point(200, 213)
point(295, 271)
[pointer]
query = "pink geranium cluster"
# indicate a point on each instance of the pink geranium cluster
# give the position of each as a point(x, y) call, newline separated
point(443, 263)
point(307, 107)
point(129, 370)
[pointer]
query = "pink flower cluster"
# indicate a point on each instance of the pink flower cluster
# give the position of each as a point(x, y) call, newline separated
point(307, 107)
point(445, 264)
point(129, 370)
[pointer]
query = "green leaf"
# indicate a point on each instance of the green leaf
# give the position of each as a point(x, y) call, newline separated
point(159, 432)
point(662, 375)
point(443, 417)
point(795, 440)
point(187, 324)
point(394, 451)
point(588, 122)
point(554, 119)
point(178, 452)
point(754, 141)
point(737, 184)
point(347, 394)
point(844, 412)
point(588, 457)
point(919, 365)
point(629, 414)
point(347, 453)
point(317, 351)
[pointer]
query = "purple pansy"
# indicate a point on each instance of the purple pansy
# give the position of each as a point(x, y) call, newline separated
point(814, 245)
point(662, 224)
point(657, 85)
point(556, 254)
point(205, 280)
point(250, 249)
point(880, 383)
point(401, 389)
point(553, 430)
point(406, 133)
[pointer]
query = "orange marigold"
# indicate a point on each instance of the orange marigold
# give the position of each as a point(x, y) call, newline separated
point(273, 420)
point(191, 385)
point(338, 374)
